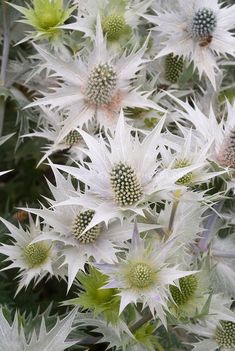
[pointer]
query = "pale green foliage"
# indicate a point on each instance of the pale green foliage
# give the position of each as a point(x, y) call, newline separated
point(13, 337)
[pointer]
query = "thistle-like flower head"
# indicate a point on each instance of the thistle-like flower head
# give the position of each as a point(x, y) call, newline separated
point(95, 86)
point(197, 30)
point(123, 174)
point(144, 275)
point(34, 259)
point(45, 16)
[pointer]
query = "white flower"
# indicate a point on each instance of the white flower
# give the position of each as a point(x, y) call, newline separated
point(50, 129)
point(97, 87)
point(217, 130)
point(69, 220)
point(118, 19)
point(144, 275)
point(124, 176)
point(13, 337)
point(200, 30)
point(35, 260)
point(181, 220)
point(190, 150)
point(218, 334)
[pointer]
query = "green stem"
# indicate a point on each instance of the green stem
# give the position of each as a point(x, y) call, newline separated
point(5, 55)
point(2, 113)
point(6, 43)
point(173, 213)
point(146, 318)
point(159, 346)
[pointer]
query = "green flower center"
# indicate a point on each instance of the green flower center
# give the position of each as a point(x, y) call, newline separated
point(203, 23)
point(48, 20)
point(126, 187)
point(141, 276)
point(173, 67)
point(187, 178)
point(79, 225)
point(225, 334)
point(101, 83)
point(36, 254)
point(72, 138)
point(114, 26)
point(188, 286)
point(48, 13)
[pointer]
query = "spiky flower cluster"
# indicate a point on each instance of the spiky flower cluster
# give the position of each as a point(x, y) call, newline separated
point(36, 254)
point(227, 152)
point(72, 138)
point(173, 68)
point(187, 287)
point(114, 26)
point(225, 334)
point(79, 225)
point(136, 102)
point(126, 187)
point(187, 178)
point(203, 23)
point(141, 276)
point(101, 84)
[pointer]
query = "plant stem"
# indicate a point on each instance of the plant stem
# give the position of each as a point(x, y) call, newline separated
point(147, 317)
point(6, 43)
point(92, 340)
point(5, 55)
point(159, 346)
point(2, 113)
point(173, 213)
point(208, 232)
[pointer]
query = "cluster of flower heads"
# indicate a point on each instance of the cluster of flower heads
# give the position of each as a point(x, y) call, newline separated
point(137, 208)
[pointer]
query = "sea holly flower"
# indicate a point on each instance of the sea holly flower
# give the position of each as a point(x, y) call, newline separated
point(45, 16)
point(199, 31)
point(69, 220)
point(190, 150)
point(210, 129)
point(14, 338)
point(119, 19)
point(192, 298)
point(143, 275)
point(50, 128)
point(92, 296)
point(96, 87)
point(218, 334)
point(123, 176)
point(35, 260)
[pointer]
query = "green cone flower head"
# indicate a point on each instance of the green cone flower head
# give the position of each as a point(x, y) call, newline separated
point(190, 297)
point(143, 276)
point(225, 334)
point(113, 20)
point(45, 15)
point(188, 286)
point(114, 26)
point(80, 223)
point(174, 66)
point(36, 254)
point(92, 296)
point(187, 178)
